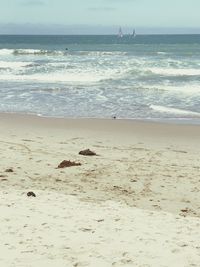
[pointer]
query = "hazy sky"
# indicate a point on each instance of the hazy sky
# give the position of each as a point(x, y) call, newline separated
point(52, 15)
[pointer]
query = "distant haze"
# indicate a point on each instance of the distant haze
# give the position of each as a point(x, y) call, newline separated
point(85, 29)
point(99, 16)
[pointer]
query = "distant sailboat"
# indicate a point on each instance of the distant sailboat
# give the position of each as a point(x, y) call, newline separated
point(120, 33)
point(133, 34)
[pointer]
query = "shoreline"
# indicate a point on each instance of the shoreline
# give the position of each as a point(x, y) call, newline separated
point(176, 121)
point(155, 121)
point(139, 195)
point(134, 128)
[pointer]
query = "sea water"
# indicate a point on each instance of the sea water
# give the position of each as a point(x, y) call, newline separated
point(142, 77)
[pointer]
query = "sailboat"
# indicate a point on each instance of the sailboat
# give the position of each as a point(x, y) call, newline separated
point(133, 34)
point(120, 33)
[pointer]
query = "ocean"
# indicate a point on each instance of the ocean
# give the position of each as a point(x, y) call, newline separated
point(153, 77)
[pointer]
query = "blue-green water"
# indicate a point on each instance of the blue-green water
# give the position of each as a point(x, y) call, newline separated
point(146, 77)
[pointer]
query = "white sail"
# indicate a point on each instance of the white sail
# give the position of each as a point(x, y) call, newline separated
point(133, 34)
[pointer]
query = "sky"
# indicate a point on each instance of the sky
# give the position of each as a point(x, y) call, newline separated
point(99, 16)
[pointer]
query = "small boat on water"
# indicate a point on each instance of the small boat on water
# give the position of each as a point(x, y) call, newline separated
point(120, 33)
point(133, 33)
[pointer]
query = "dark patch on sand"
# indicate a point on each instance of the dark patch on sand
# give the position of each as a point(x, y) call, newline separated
point(87, 152)
point(31, 194)
point(68, 163)
point(9, 170)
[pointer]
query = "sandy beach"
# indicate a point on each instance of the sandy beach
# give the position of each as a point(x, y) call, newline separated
point(136, 203)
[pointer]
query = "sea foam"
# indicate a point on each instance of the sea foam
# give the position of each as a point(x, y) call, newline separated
point(174, 111)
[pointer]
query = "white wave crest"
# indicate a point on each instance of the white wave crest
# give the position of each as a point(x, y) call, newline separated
point(58, 52)
point(189, 89)
point(65, 76)
point(175, 111)
point(29, 52)
point(175, 72)
point(36, 52)
point(13, 64)
point(162, 53)
point(6, 52)
point(103, 53)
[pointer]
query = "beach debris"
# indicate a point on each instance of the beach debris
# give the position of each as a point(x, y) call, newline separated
point(185, 210)
point(86, 229)
point(100, 220)
point(9, 170)
point(31, 194)
point(87, 152)
point(68, 163)
point(133, 181)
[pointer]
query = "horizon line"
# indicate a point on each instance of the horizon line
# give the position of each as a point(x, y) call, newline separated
point(92, 34)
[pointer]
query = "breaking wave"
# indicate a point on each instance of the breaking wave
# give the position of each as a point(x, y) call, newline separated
point(174, 111)
point(14, 64)
point(175, 72)
point(36, 52)
point(58, 52)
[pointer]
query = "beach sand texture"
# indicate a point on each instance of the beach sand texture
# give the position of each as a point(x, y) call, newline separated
point(136, 203)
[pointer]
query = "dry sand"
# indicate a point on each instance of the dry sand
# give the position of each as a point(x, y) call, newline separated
point(135, 204)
